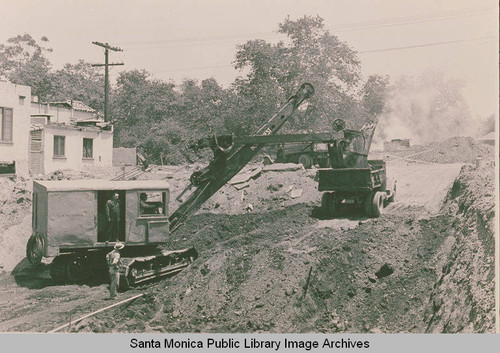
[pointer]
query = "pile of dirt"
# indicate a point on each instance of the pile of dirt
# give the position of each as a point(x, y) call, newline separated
point(15, 224)
point(277, 272)
point(267, 189)
point(270, 190)
point(94, 172)
point(453, 150)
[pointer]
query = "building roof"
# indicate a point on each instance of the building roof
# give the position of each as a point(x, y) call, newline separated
point(76, 105)
point(96, 128)
point(98, 184)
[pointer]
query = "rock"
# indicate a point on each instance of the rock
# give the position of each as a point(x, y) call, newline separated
point(282, 167)
point(240, 178)
point(267, 160)
point(274, 187)
point(296, 193)
point(346, 247)
point(385, 270)
point(176, 313)
point(241, 186)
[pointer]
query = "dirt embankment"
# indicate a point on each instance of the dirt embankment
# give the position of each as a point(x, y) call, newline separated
point(15, 220)
point(462, 299)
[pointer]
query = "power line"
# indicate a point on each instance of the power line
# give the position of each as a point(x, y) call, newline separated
point(354, 26)
point(175, 40)
point(425, 45)
point(360, 52)
point(416, 21)
point(195, 68)
point(436, 16)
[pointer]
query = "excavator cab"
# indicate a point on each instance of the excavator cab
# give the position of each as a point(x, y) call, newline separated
point(71, 215)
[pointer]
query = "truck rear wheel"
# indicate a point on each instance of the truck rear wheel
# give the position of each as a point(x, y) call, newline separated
point(306, 161)
point(324, 163)
point(329, 204)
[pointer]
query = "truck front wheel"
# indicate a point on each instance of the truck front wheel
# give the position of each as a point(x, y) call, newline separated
point(34, 249)
point(374, 204)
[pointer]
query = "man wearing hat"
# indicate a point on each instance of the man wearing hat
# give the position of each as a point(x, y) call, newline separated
point(113, 260)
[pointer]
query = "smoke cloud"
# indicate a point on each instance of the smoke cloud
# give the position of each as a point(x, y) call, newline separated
point(425, 109)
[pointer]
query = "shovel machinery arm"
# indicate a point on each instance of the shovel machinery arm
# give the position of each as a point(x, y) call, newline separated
point(229, 160)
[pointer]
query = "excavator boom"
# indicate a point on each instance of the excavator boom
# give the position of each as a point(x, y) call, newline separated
point(229, 160)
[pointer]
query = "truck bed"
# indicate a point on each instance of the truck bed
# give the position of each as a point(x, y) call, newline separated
point(353, 179)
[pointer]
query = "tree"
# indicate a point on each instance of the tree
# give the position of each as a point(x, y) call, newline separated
point(81, 82)
point(313, 55)
point(204, 108)
point(22, 61)
point(374, 94)
point(137, 98)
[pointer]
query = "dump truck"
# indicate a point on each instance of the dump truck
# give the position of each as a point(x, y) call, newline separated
point(307, 154)
point(352, 179)
point(71, 235)
point(365, 187)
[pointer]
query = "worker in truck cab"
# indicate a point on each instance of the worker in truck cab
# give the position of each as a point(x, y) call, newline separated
point(113, 261)
point(113, 214)
point(146, 207)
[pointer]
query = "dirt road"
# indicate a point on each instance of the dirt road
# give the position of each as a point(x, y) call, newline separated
point(366, 275)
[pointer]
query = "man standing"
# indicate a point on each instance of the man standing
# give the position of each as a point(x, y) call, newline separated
point(113, 260)
point(113, 214)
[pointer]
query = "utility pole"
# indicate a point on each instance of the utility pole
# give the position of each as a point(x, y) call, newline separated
point(106, 65)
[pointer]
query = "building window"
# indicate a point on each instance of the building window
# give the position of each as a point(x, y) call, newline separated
point(5, 124)
point(88, 148)
point(59, 146)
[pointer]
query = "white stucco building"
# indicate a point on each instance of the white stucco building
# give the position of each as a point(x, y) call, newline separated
point(60, 146)
point(39, 138)
point(14, 126)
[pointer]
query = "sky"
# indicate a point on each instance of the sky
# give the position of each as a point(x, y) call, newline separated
point(174, 40)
